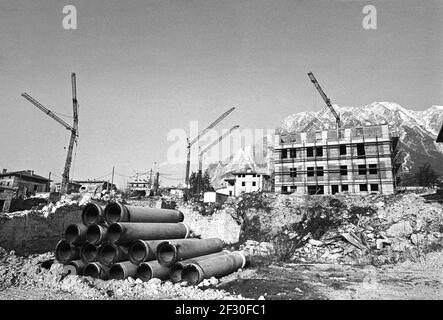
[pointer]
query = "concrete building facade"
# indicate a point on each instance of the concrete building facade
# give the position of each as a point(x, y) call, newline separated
point(246, 181)
point(355, 160)
point(26, 182)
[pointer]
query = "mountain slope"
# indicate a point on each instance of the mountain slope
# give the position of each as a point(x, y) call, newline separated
point(417, 131)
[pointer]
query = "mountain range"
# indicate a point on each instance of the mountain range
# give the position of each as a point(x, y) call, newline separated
point(417, 131)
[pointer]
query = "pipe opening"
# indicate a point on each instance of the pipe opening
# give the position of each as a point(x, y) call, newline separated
point(89, 252)
point(113, 212)
point(47, 264)
point(107, 253)
point(176, 272)
point(117, 272)
point(191, 274)
point(91, 214)
point(144, 272)
point(92, 270)
point(93, 233)
point(138, 251)
point(72, 233)
point(114, 232)
point(166, 253)
point(63, 252)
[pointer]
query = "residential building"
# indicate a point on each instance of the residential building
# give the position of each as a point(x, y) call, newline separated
point(246, 181)
point(26, 182)
point(355, 160)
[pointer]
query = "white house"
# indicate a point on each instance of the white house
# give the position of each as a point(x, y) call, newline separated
point(246, 181)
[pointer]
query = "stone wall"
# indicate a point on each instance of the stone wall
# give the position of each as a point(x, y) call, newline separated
point(28, 232)
point(219, 225)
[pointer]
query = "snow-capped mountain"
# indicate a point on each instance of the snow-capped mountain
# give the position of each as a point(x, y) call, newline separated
point(417, 131)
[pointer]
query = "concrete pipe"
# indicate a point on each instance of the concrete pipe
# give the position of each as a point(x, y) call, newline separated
point(109, 253)
point(65, 251)
point(220, 266)
point(96, 234)
point(122, 270)
point(152, 269)
point(96, 270)
point(89, 252)
point(93, 213)
point(74, 267)
point(76, 233)
point(126, 232)
point(142, 250)
point(169, 253)
point(117, 212)
point(176, 270)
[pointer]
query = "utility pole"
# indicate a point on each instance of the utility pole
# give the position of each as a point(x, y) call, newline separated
point(49, 181)
point(112, 183)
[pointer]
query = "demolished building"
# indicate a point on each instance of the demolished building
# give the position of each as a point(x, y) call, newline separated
point(358, 160)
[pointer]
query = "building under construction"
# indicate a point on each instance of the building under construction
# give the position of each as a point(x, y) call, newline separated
point(355, 160)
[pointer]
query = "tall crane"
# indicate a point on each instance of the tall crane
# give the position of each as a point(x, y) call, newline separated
point(328, 105)
point(202, 133)
point(209, 146)
point(73, 129)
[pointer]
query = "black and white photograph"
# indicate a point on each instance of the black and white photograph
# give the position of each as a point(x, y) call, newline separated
point(221, 154)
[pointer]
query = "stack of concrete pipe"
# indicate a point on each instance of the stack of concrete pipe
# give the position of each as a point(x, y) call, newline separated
point(117, 241)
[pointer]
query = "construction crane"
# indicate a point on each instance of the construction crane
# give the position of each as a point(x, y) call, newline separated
point(323, 111)
point(73, 129)
point(190, 143)
point(209, 146)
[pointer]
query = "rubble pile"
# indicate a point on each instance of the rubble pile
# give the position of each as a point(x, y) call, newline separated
point(34, 272)
point(374, 229)
point(117, 241)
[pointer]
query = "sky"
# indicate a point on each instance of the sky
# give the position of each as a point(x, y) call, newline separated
point(146, 67)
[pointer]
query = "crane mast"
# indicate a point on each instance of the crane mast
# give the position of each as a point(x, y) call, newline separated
point(190, 143)
point(73, 129)
point(73, 139)
point(209, 146)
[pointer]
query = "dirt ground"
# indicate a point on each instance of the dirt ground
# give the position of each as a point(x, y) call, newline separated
point(403, 281)
point(338, 282)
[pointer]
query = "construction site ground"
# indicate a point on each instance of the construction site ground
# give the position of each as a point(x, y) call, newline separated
point(406, 280)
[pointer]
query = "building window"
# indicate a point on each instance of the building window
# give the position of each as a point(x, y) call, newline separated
point(293, 188)
point(254, 183)
point(230, 193)
point(292, 172)
point(243, 184)
point(319, 151)
point(360, 149)
point(320, 171)
point(284, 153)
point(359, 132)
point(284, 189)
point(374, 187)
point(310, 171)
point(334, 188)
point(318, 135)
point(343, 150)
point(361, 169)
point(316, 190)
point(309, 151)
point(373, 169)
point(363, 187)
point(344, 188)
point(344, 170)
point(341, 134)
point(293, 153)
